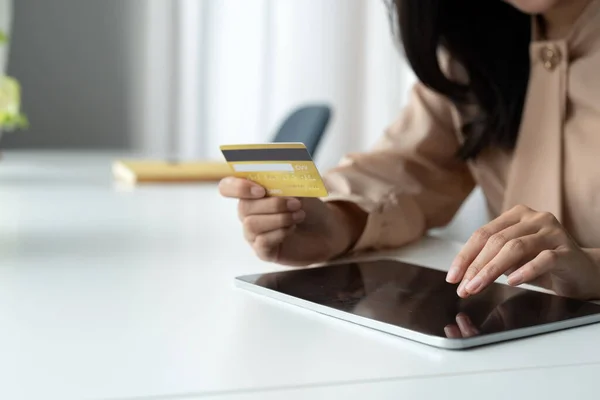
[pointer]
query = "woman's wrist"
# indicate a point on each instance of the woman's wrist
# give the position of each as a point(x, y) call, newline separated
point(349, 224)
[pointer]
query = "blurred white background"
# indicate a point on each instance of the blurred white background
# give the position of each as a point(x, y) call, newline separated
point(184, 76)
point(180, 77)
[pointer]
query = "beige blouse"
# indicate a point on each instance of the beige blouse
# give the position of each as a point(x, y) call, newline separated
point(411, 181)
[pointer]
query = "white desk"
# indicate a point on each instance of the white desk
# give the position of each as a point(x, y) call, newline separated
point(572, 382)
point(110, 293)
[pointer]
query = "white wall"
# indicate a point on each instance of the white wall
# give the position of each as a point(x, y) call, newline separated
point(339, 52)
point(72, 58)
point(256, 60)
point(100, 74)
point(127, 74)
point(5, 25)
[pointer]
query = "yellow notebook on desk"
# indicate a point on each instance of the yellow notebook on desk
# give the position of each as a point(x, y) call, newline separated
point(147, 171)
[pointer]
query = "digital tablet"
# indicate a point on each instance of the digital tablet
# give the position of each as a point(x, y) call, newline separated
point(416, 303)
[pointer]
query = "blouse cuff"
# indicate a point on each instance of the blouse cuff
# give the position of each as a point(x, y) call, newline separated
point(392, 222)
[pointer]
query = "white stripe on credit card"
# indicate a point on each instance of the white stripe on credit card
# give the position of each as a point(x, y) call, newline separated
point(263, 167)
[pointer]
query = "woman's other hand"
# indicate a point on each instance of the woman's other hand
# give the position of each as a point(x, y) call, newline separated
point(463, 328)
point(529, 246)
point(292, 231)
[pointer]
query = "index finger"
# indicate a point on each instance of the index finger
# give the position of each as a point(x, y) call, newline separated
point(238, 188)
point(476, 243)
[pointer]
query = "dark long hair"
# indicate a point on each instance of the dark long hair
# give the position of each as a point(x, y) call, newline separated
point(490, 39)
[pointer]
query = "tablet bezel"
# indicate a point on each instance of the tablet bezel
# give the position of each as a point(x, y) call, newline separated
point(431, 340)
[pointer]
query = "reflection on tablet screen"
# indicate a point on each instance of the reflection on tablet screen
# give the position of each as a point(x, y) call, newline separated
point(419, 299)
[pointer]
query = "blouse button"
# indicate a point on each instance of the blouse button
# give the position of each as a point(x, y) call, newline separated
point(550, 57)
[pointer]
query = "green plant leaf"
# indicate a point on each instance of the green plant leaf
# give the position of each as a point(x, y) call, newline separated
point(11, 123)
point(10, 103)
point(3, 37)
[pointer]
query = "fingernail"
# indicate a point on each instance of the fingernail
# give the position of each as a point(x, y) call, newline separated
point(461, 288)
point(453, 272)
point(475, 285)
point(294, 205)
point(299, 215)
point(448, 330)
point(258, 191)
point(452, 276)
point(516, 278)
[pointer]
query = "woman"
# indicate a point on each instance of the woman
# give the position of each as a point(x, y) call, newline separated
point(508, 99)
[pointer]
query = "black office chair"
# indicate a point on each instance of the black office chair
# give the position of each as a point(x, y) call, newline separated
point(306, 125)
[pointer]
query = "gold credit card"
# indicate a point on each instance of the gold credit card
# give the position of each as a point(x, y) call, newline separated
point(283, 169)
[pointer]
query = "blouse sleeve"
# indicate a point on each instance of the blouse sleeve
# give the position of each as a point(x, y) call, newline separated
point(412, 180)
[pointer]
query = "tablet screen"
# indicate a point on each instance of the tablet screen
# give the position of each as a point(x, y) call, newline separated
point(419, 299)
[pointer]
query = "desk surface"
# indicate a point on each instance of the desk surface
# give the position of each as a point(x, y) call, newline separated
point(110, 292)
point(572, 382)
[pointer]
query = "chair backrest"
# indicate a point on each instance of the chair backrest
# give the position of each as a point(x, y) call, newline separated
point(306, 125)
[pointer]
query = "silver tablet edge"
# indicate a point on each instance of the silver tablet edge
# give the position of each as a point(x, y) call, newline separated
point(435, 341)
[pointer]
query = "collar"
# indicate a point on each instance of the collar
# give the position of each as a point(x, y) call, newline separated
point(587, 23)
